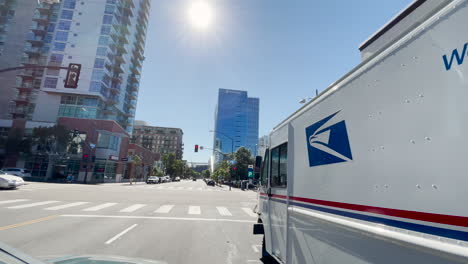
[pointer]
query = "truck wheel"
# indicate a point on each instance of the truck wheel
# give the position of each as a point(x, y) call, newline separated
point(266, 257)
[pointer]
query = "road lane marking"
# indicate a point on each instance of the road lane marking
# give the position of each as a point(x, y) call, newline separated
point(99, 207)
point(164, 209)
point(170, 187)
point(249, 212)
point(162, 218)
point(28, 222)
point(59, 207)
point(31, 205)
point(132, 208)
point(13, 201)
point(194, 210)
point(199, 189)
point(223, 211)
point(255, 248)
point(180, 188)
point(120, 234)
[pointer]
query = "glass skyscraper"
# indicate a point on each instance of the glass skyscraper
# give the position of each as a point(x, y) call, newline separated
point(236, 123)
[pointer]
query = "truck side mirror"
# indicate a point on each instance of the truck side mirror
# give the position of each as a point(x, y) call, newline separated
point(258, 161)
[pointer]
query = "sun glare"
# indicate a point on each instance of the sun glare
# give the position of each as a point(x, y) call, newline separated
point(200, 15)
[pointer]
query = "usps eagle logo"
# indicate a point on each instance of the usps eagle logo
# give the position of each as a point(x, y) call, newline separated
point(327, 141)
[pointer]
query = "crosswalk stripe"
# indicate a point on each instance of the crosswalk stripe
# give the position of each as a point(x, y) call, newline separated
point(132, 208)
point(170, 187)
point(199, 189)
point(58, 207)
point(223, 211)
point(99, 207)
point(194, 210)
point(190, 188)
point(13, 201)
point(160, 187)
point(180, 188)
point(31, 205)
point(249, 212)
point(164, 209)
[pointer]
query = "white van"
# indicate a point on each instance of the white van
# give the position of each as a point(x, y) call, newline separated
point(374, 169)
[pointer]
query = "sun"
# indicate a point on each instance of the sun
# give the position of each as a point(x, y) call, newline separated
point(200, 15)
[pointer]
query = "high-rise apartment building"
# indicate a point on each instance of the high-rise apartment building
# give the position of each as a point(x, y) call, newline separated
point(106, 37)
point(161, 140)
point(236, 123)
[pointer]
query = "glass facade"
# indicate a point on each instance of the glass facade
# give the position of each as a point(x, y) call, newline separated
point(236, 122)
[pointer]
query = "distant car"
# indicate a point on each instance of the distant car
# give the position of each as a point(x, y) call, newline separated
point(177, 179)
point(210, 182)
point(166, 179)
point(194, 179)
point(20, 172)
point(152, 180)
point(8, 181)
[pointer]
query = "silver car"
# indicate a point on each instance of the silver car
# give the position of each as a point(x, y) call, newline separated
point(8, 181)
point(20, 172)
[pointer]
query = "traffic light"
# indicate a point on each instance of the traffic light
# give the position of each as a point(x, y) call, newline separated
point(73, 75)
point(85, 157)
point(196, 148)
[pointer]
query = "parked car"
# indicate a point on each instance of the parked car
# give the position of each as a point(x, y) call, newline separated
point(177, 179)
point(8, 181)
point(152, 180)
point(20, 172)
point(210, 182)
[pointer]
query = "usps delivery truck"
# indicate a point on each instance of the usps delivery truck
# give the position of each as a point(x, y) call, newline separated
point(375, 168)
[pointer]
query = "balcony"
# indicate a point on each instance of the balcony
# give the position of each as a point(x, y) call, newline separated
point(39, 30)
point(132, 95)
point(41, 18)
point(22, 100)
point(135, 70)
point(30, 74)
point(119, 59)
point(112, 100)
point(36, 41)
point(117, 79)
point(115, 89)
point(33, 51)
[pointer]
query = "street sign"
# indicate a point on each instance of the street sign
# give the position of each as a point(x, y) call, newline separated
point(112, 157)
point(201, 147)
point(124, 159)
point(250, 172)
point(73, 75)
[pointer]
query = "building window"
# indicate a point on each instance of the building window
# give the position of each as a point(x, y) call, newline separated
point(51, 27)
point(56, 58)
point(103, 40)
point(67, 14)
point(50, 82)
point(105, 29)
point(61, 35)
point(48, 38)
point(59, 46)
point(70, 4)
point(64, 25)
point(101, 51)
point(107, 19)
point(99, 63)
point(109, 9)
point(95, 86)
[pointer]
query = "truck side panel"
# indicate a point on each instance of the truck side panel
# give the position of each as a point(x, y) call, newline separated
point(381, 164)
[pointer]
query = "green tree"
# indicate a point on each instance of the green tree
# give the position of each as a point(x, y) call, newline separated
point(168, 161)
point(222, 172)
point(206, 173)
point(136, 160)
point(178, 168)
point(243, 158)
point(157, 172)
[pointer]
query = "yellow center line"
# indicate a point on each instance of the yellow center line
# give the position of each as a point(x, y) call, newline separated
point(28, 222)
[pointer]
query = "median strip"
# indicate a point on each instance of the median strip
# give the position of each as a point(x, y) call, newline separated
point(28, 222)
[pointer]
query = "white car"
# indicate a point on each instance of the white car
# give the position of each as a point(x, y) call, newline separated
point(18, 172)
point(8, 181)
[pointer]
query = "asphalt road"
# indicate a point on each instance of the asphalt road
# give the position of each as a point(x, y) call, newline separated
point(180, 222)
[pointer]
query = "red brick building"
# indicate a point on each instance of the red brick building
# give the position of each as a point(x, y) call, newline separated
point(148, 158)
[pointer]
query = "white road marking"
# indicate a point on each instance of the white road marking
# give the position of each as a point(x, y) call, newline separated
point(132, 208)
point(120, 234)
point(58, 207)
point(170, 187)
point(13, 201)
point(164, 209)
point(199, 189)
point(255, 248)
point(99, 207)
point(223, 211)
point(161, 218)
point(31, 205)
point(190, 188)
point(249, 212)
point(159, 187)
point(194, 210)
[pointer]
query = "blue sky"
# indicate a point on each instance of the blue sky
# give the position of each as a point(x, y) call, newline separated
point(279, 51)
